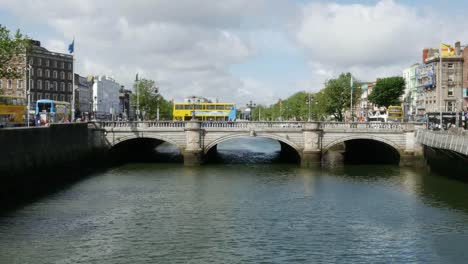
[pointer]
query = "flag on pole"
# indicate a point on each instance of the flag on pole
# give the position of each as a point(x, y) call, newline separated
point(71, 47)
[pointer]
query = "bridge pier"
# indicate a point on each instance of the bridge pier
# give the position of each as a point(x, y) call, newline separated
point(312, 154)
point(193, 153)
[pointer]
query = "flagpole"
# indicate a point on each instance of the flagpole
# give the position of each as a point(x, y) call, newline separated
point(73, 83)
point(440, 85)
point(351, 84)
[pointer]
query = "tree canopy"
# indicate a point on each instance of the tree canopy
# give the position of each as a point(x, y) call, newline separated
point(387, 91)
point(335, 98)
point(10, 47)
point(150, 99)
point(294, 107)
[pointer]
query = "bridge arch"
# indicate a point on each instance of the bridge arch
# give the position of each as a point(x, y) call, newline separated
point(155, 136)
point(383, 140)
point(261, 135)
point(365, 137)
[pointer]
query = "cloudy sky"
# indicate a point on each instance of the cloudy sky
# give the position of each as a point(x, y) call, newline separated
point(239, 50)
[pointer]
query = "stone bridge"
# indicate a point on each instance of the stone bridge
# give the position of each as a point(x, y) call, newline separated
point(310, 140)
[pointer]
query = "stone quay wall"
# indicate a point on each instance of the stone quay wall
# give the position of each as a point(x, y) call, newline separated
point(33, 157)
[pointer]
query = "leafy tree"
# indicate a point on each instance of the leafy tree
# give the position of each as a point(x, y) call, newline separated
point(147, 94)
point(387, 91)
point(11, 47)
point(335, 98)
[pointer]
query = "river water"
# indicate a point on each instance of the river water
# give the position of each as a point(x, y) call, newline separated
point(245, 210)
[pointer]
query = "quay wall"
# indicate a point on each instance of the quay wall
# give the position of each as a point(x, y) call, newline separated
point(31, 158)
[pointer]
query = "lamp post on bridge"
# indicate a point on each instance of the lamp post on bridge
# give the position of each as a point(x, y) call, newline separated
point(251, 106)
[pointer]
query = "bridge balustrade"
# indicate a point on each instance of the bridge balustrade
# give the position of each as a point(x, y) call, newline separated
point(443, 140)
point(142, 124)
point(258, 125)
point(325, 126)
point(365, 125)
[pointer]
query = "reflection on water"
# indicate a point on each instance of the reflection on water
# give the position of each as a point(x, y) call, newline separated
point(244, 213)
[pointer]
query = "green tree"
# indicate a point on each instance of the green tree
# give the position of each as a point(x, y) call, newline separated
point(149, 98)
point(335, 98)
point(387, 91)
point(11, 47)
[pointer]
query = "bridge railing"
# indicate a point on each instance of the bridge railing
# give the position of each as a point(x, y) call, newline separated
point(249, 124)
point(387, 126)
point(141, 124)
point(443, 140)
point(325, 126)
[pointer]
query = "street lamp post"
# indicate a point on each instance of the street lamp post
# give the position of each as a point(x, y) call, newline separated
point(252, 107)
point(29, 92)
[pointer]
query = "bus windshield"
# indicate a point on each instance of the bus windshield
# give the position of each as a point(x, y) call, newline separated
point(12, 111)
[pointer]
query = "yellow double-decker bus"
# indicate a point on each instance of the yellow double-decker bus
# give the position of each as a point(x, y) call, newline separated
point(12, 111)
point(395, 114)
point(204, 110)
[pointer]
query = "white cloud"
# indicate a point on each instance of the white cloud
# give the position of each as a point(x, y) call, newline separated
point(368, 40)
point(186, 46)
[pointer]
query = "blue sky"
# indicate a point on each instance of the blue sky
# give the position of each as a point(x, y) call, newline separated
point(239, 50)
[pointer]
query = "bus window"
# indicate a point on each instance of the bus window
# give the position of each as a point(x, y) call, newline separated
point(229, 107)
point(220, 107)
point(188, 106)
point(44, 107)
point(179, 107)
point(198, 106)
point(210, 107)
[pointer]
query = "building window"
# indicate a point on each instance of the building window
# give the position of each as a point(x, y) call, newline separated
point(47, 96)
point(69, 87)
point(55, 97)
point(54, 63)
point(451, 77)
point(62, 65)
point(69, 98)
point(62, 97)
point(62, 75)
point(47, 63)
point(47, 87)
point(62, 86)
point(39, 73)
point(31, 60)
point(31, 84)
point(47, 73)
point(32, 72)
point(39, 61)
point(450, 91)
point(55, 86)
point(32, 96)
point(69, 76)
point(9, 85)
point(19, 70)
point(39, 84)
point(450, 66)
point(55, 75)
point(451, 106)
point(19, 84)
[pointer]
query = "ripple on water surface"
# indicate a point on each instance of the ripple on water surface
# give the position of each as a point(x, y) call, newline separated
point(244, 213)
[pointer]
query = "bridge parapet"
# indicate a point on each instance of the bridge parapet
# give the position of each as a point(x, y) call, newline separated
point(141, 125)
point(443, 140)
point(367, 127)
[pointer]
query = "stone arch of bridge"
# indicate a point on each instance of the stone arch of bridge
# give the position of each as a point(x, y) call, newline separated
point(270, 136)
point(146, 135)
point(367, 137)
